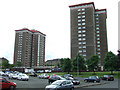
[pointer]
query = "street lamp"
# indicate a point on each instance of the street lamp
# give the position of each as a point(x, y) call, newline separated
point(78, 65)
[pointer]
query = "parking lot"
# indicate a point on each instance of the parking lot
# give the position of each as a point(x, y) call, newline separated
point(36, 83)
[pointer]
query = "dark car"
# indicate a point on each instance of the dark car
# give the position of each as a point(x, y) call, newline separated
point(74, 81)
point(92, 79)
point(5, 84)
point(33, 74)
point(108, 77)
point(54, 77)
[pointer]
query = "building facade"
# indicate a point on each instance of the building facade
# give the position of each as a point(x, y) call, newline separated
point(88, 31)
point(29, 47)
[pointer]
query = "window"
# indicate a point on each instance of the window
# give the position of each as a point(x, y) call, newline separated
point(83, 19)
point(83, 12)
point(79, 20)
point(98, 31)
point(79, 27)
point(80, 51)
point(98, 49)
point(98, 38)
point(84, 39)
point(79, 39)
point(97, 18)
point(83, 27)
point(79, 24)
point(97, 15)
point(79, 16)
point(84, 35)
point(79, 9)
point(79, 31)
point(84, 46)
point(79, 35)
point(80, 43)
point(98, 35)
point(97, 28)
point(83, 16)
point(84, 54)
point(84, 50)
point(83, 23)
point(79, 13)
point(80, 46)
point(84, 42)
point(98, 45)
point(83, 9)
point(98, 52)
point(97, 24)
point(83, 31)
point(98, 42)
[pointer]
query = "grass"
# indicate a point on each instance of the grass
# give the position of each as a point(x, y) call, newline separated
point(87, 74)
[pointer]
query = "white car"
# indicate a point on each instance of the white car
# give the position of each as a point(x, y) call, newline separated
point(23, 77)
point(10, 75)
point(2, 73)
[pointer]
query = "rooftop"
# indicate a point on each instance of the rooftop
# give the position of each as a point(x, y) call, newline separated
point(33, 31)
point(82, 4)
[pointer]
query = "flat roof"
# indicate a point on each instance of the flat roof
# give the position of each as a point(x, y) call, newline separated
point(82, 4)
point(33, 31)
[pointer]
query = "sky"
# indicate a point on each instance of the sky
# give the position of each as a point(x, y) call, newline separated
point(51, 17)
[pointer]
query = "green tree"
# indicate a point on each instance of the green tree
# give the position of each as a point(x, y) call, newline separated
point(65, 64)
point(92, 63)
point(110, 62)
point(11, 65)
point(78, 63)
point(19, 64)
point(5, 64)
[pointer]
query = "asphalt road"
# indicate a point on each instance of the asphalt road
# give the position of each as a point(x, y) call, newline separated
point(36, 83)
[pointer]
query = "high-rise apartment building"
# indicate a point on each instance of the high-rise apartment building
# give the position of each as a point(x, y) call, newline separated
point(88, 31)
point(29, 48)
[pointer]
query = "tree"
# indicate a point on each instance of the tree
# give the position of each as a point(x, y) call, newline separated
point(5, 64)
point(19, 64)
point(65, 64)
point(92, 63)
point(78, 63)
point(110, 62)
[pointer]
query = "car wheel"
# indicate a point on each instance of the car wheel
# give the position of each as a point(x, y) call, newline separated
point(72, 89)
point(12, 87)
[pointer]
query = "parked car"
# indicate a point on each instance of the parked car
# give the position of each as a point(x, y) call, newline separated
point(108, 77)
point(54, 77)
point(60, 85)
point(74, 81)
point(10, 75)
point(5, 84)
point(33, 74)
point(92, 79)
point(2, 73)
point(23, 77)
point(40, 71)
point(13, 75)
point(48, 71)
point(67, 75)
point(43, 76)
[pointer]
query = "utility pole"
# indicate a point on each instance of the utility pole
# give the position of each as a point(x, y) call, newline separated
point(78, 65)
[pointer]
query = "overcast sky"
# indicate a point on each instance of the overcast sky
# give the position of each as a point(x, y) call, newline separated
point(51, 17)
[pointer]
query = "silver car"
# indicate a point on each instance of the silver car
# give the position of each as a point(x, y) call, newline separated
point(61, 85)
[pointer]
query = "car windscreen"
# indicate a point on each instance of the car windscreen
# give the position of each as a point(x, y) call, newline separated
point(56, 83)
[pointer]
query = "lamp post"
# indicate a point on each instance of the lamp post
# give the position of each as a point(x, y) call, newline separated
point(78, 65)
point(118, 58)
